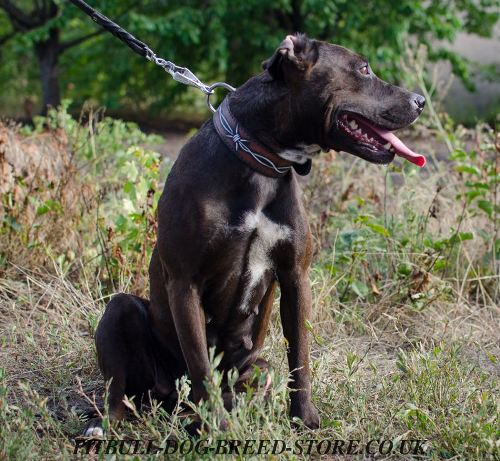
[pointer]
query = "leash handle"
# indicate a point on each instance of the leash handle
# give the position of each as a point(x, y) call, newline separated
point(179, 74)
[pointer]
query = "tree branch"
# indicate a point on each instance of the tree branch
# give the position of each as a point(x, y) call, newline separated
point(38, 6)
point(71, 43)
point(283, 20)
point(20, 20)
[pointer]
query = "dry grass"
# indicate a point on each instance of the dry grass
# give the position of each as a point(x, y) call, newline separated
point(367, 378)
point(415, 356)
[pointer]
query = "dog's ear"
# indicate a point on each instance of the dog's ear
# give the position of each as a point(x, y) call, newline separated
point(296, 53)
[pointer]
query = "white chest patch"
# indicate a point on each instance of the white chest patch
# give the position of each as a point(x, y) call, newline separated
point(301, 154)
point(268, 235)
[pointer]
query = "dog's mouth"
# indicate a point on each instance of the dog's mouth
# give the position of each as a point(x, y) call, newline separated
point(373, 143)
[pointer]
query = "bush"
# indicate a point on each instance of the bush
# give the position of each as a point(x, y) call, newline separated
point(405, 289)
point(53, 207)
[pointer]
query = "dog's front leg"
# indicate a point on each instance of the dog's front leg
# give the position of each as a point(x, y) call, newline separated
point(189, 323)
point(295, 309)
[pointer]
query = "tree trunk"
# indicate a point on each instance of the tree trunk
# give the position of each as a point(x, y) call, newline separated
point(297, 17)
point(47, 52)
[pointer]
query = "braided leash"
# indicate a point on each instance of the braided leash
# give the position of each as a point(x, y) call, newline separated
point(179, 74)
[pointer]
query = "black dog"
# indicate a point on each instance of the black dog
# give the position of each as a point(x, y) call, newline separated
point(231, 225)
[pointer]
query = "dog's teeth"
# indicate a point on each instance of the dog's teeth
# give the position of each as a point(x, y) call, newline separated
point(353, 124)
point(387, 145)
point(358, 131)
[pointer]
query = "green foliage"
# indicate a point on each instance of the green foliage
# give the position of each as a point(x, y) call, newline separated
point(115, 215)
point(362, 244)
point(216, 39)
point(400, 261)
point(130, 224)
point(439, 371)
point(396, 259)
point(481, 181)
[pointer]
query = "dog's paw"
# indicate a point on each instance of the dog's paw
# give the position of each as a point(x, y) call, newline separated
point(307, 413)
point(195, 428)
point(93, 429)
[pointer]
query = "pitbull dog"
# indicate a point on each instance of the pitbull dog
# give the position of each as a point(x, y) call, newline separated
point(231, 226)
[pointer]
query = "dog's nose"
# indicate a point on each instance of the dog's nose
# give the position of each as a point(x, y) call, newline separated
point(419, 102)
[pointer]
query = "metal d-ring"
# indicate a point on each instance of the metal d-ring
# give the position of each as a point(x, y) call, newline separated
point(211, 89)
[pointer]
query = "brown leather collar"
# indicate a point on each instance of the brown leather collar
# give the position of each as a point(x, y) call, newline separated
point(250, 151)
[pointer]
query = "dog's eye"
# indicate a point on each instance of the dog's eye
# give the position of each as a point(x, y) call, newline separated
point(364, 70)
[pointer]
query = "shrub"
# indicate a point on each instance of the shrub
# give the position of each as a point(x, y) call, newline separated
point(79, 193)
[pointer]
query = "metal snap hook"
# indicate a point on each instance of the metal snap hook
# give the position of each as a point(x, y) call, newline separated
point(210, 91)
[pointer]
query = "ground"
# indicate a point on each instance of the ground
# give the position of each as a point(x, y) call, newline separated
point(405, 290)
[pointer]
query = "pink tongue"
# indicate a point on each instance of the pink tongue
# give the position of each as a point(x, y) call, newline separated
point(401, 149)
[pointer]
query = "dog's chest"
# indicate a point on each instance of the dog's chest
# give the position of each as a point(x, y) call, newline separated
point(263, 235)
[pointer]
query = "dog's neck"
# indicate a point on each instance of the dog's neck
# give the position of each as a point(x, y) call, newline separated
point(301, 154)
point(268, 110)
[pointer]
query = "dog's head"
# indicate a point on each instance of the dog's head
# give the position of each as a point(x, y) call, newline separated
point(352, 109)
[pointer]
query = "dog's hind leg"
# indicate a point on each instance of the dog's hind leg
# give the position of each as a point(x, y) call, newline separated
point(123, 342)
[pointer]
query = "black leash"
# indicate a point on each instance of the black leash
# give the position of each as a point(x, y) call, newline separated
point(179, 74)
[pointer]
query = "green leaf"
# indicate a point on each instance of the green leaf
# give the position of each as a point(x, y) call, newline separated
point(360, 289)
point(317, 339)
point(437, 245)
point(439, 265)
point(404, 268)
point(42, 209)
point(12, 223)
point(362, 218)
point(332, 270)
point(351, 359)
point(378, 229)
point(460, 237)
point(486, 206)
point(472, 194)
point(49, 205)
point(130, 189)
point(477, 185)
point(468, 169)
point(492, 358)
point(348, 237)
point(331, 423)
point(458, 154)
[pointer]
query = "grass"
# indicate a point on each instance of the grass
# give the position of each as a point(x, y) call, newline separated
point(430, 375)
point(405, 291)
